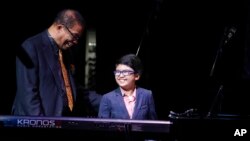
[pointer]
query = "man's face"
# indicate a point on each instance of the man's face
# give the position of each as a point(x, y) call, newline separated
point(71, 35)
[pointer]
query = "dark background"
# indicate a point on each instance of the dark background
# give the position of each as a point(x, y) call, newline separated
point(178, 44)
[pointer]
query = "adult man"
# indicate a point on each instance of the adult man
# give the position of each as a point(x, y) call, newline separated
point(42, 77)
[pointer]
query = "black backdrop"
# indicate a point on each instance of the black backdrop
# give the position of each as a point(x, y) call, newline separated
point(178, 43)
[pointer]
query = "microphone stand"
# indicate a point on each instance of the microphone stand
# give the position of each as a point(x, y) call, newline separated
point(216, 98)
point(219, 94)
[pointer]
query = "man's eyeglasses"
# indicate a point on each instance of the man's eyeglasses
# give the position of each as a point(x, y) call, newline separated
point(123, 72)
point(75, 37)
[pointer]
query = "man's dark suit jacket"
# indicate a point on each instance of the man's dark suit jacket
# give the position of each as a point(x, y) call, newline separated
point(112, 105)
point(40, 90)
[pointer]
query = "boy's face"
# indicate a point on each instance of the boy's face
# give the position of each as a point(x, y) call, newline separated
point(124, 79)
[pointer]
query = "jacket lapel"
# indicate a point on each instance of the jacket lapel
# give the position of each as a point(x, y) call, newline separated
point(120, 100)
point(137, 103)
point(49, 55)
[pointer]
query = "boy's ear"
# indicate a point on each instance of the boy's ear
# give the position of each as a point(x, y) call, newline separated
point(137, 76)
